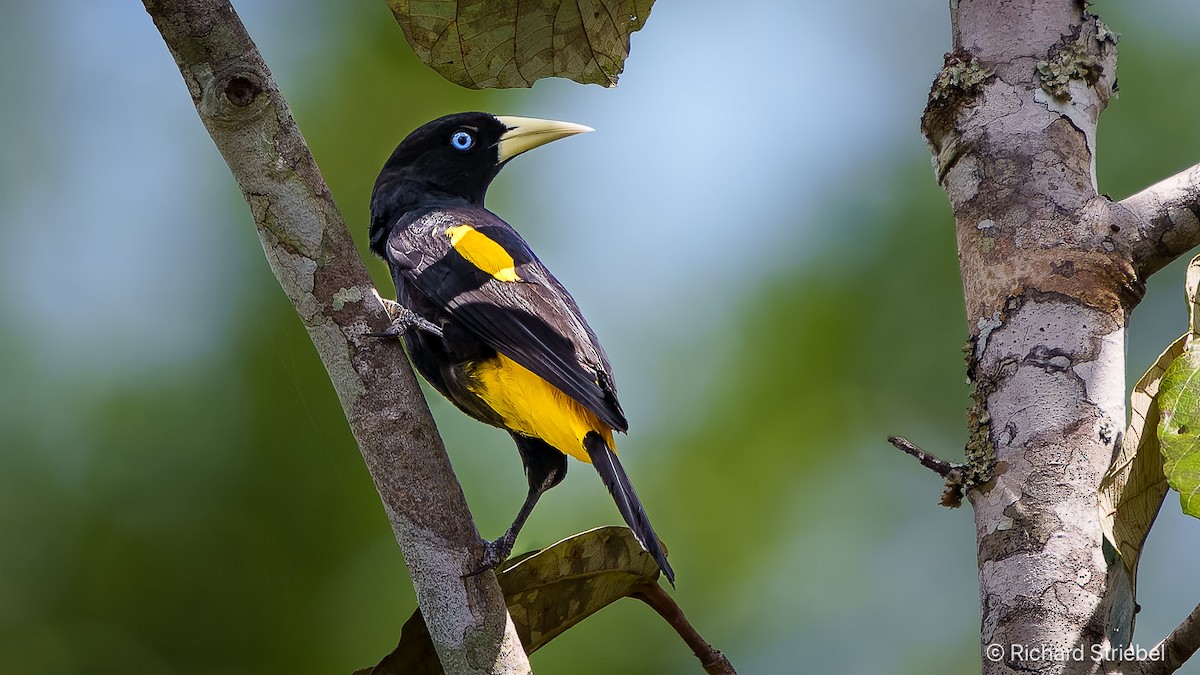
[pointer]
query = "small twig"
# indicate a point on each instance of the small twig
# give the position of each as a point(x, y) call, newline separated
point(711, 658)
point(939, 466)
point(1170, 654)
point(955, 477)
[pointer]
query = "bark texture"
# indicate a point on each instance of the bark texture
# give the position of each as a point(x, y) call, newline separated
point(1048, 280)
point(1168, 219)
point(315, 260)
point(1051, 271)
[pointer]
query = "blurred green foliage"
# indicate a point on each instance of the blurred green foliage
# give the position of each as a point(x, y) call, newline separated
point(213, 515)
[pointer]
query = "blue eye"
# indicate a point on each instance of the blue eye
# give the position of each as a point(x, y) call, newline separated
point(461, 140)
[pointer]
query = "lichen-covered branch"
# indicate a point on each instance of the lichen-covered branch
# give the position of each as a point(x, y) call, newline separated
point(315, 260)
point(955, 475)
point(1166, 219)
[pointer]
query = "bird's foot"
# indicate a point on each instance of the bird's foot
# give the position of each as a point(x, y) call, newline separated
point(404, 320)
point(494, 554)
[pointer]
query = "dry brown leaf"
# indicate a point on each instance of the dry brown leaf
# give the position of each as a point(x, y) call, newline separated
point(483, 44)
point(1134, 487)
point(547, 592)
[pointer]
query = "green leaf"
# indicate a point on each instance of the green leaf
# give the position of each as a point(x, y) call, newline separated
point(484, 44)
point(1179, 401)
point(1179, 429)
point(547, 592)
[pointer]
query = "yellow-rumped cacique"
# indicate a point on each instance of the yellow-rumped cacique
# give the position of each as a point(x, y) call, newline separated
point(485, 322)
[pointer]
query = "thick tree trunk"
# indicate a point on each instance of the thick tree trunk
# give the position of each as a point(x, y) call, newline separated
point(315, 260)
point(1049, 282)
point(1050, 273)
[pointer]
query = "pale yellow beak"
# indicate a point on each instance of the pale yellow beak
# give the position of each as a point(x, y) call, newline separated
point(527, 133)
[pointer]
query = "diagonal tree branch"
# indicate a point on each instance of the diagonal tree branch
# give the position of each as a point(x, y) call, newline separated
point(1170, 654)
point(311, 253)
point(1167, 217)
point(711, 658)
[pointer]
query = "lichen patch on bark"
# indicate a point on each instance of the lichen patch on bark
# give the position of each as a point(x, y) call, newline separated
point(1076, 57)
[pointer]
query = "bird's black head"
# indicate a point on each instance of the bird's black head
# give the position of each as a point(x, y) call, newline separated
point(452, 160)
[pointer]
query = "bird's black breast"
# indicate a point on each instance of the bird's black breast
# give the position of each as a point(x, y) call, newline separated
point(446, 362)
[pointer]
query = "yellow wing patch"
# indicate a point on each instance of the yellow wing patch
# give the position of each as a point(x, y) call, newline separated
point(482, 252)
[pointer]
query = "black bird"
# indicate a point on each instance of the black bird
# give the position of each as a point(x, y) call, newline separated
point(485, 322)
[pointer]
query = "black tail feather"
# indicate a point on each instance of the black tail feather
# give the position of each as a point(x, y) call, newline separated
point(613, 475)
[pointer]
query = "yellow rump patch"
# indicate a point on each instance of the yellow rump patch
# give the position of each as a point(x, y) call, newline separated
point(534, 407)
point(482, 252)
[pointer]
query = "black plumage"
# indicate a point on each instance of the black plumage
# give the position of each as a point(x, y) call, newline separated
point(485, 322)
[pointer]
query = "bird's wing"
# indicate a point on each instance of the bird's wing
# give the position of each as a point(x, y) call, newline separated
point(474, 266)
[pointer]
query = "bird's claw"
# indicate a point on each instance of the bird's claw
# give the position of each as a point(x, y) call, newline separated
point(494, 554)
point(404, 320)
